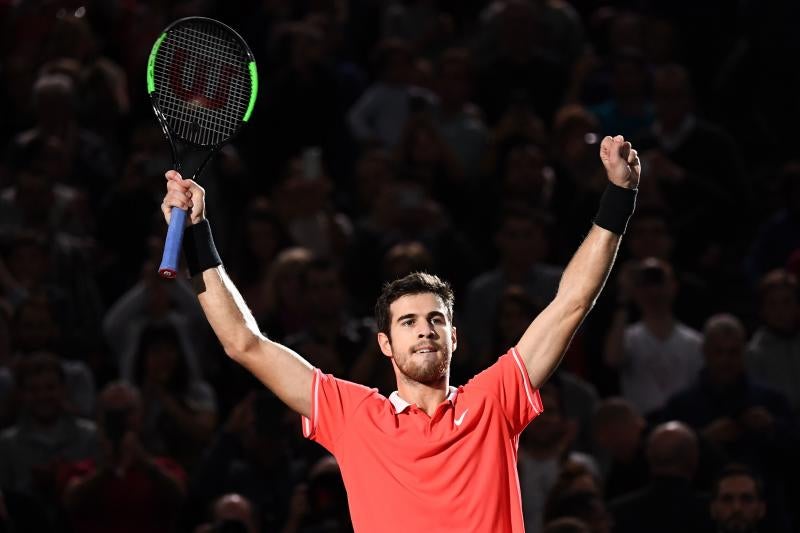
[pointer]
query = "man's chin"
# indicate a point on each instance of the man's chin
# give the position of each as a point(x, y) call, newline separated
point(428, 375)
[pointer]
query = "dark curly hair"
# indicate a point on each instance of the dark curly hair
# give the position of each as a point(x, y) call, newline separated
point(414, 283)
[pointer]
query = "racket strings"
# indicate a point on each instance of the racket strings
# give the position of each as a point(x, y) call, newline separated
point(203, 83)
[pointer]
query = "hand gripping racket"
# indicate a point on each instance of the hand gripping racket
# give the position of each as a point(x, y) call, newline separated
point(202, 81)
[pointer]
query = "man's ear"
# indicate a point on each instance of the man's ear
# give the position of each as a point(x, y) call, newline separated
point(385, 344)
point(454, 338)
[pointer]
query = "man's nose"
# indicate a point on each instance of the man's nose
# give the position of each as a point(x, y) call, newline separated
point(426, 330)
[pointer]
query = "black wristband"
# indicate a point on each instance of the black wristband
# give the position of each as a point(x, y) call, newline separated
point(199, 249)
point(616, 207)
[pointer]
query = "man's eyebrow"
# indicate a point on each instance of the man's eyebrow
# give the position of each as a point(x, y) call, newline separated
point(413, 315)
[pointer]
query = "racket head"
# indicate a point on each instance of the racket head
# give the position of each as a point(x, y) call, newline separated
point(202, 81)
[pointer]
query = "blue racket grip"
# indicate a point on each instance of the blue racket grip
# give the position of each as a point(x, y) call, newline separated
point(172, 246)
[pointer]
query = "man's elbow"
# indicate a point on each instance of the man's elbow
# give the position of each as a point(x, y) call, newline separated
point(238, 348)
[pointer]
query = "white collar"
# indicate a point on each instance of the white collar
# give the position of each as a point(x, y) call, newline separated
point(401, 405)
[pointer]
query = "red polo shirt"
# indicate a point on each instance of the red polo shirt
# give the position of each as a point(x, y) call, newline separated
point(407, 472)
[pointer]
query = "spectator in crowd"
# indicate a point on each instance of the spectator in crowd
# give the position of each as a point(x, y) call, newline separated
point(425, 159)
point(79, 158)
point(305, 206)
point(262, 238)
point(579, 178)
point(777, 236)
point(516, 63)
point(585, 505)
point(278, 306)
point(668, 502)
point(178, 407)
point(302, 105)
point(32, 271)
point(650, 234)
point(738, 418)
point(229, 513)
point(527, 181)
point(34, 199)
point(124, 243)
point(100, 82)
point(405, 212)
point(544, 446)
point(249, 456)
point(459, 121)
point(521, 240)
point(153, 299)
point(737, 505)
point(125, 487)
point(619, 432)
point(576, 475)
point(34, 328)
point(379, 115)
point(45, 436)
point(657, 355)
point(629, 110)
point(333, 338)
point(695, 165)
point(773, 354)
point(320, 504)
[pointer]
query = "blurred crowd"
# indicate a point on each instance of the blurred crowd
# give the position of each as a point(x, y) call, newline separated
point(391, 136)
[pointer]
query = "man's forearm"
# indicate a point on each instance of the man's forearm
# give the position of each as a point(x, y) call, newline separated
point(588, 270)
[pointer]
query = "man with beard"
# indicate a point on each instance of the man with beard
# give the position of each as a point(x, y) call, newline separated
point(430, 457)
point(737, 505)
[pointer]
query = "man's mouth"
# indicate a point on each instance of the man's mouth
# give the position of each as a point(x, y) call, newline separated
point(426, 349)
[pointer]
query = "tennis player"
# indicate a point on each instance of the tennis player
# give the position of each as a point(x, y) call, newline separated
point(431, 457)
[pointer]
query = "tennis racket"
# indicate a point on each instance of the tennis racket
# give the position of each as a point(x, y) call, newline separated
point(202, 81)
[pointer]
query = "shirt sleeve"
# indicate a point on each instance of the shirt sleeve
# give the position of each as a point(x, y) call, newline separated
point(508, 382)
point(333, 401)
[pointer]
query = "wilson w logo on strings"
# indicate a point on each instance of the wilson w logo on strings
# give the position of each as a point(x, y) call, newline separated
point(195, 90)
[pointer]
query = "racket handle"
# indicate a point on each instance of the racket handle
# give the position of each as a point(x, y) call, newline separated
point(172, 246)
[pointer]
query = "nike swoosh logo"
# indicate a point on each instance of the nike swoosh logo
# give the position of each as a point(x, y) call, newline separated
point(460, 419)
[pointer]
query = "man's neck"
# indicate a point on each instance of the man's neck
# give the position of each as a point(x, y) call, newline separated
point(425, 397)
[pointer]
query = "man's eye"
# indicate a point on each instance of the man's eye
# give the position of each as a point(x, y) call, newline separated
point(407, 322)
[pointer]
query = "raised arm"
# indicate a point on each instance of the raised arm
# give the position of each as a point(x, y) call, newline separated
point(282, 370)
point(544, 342)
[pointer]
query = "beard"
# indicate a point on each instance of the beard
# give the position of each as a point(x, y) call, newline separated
point(425, 368)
